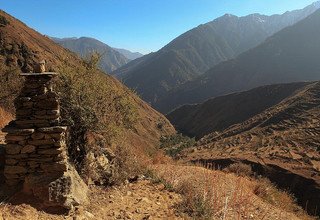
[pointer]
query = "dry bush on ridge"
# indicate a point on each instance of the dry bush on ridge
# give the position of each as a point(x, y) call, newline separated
point(91, 105)
point(240, 169)
point(10, 85)
point(218, 195)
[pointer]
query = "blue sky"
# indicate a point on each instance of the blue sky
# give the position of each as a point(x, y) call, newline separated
point(137, 25)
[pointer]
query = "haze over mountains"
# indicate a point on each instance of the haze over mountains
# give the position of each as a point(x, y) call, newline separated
point(111, 58)
point(291, 55)
point(201, 48)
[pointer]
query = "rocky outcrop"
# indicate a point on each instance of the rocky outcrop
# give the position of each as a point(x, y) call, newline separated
point(35, 149)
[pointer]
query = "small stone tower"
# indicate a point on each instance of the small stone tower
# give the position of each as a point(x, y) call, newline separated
point(36, 152)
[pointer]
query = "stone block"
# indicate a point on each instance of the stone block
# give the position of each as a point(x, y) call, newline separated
point(12, 137)
point(47, 104)
point(53, 112)
point(17, 156)
point(41, 142)
point(46, 146)
point(16, 131)
point(12, 176)
point(55, 129)
point(28, 122)
point(54, 167)
point(41, 112)
point(28, 105)
point(23, 112)
point(11, 162)
point(22, 142)
point(41, 159)
point(50, 151)
point(13, 182)
point(37, 136)
point(56, 136)
point(33, 164)
point(28, 149)
point(13, 148)
point(47, 117)
point(14, 170)
point(23, 99)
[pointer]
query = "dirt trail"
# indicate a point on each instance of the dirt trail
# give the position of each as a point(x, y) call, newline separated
point(139, 200)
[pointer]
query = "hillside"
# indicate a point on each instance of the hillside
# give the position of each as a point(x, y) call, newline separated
point(111, 59)
point(281, 143)
point(196, 51)
point(121, 112)
point(219, 113)
point(288, 56)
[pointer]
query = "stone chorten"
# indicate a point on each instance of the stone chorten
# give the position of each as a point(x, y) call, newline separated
point(36, 153)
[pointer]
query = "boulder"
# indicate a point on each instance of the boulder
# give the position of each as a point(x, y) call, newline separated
point(67, 190)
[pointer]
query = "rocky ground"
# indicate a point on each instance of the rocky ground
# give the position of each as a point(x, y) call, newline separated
point(232, 197)
point(139, 200)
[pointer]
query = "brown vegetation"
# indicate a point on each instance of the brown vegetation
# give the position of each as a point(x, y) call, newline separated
point(94, 105)
point(211, 194)
point(282, 143)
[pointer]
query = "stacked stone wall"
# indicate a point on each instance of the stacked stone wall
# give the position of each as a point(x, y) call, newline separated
point(35, 146)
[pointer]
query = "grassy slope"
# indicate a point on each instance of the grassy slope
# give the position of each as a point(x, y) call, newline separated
point(21, 47)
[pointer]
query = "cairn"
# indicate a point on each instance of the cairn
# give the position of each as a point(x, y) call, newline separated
point(36, 151)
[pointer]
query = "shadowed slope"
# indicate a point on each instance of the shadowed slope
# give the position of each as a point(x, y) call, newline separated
point(219, 113)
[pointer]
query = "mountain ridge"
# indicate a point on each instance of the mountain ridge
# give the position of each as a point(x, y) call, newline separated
point(197, 50)
point(110, 59)
point(287, 56)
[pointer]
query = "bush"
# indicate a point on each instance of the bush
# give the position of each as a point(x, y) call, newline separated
point(90, 103)
point(240, 169)
point(11, 83)
point(174, 144)
point(3, 21)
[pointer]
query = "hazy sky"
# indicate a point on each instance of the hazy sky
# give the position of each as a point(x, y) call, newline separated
point(137, 25)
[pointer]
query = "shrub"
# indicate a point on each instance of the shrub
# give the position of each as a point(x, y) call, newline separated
point(3, 21)
point(10, 86)
point(174, 144)
point(240, 169)
point(90, 103)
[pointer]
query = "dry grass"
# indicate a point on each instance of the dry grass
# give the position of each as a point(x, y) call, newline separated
point(5, 118)
point(240, 169)
point(218, 195)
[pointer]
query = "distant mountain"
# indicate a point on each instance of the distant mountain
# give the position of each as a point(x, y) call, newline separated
point(291, 55)
point(221, 112)
point(201, 48)
point(128, 54)
point(83, 46)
